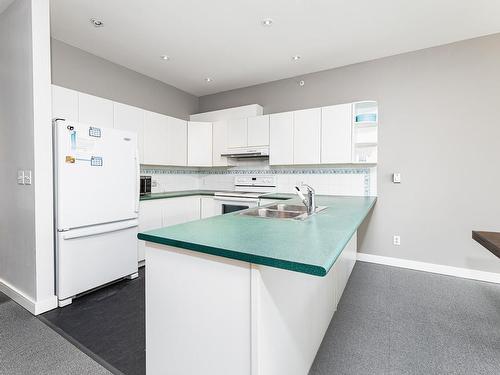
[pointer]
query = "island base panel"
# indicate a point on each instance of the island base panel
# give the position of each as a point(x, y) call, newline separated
point(291, 312)
point(211, 315)
point(197, 313)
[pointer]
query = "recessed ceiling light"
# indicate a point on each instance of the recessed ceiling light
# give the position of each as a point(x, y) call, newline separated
point(96, 22)
point(296, 58)
point(165, 57)
point(208, 80)
point(267, 22)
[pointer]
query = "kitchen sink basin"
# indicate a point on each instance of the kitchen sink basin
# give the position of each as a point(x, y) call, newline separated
point(281, 211)
point(287, 207)
point(265, 212)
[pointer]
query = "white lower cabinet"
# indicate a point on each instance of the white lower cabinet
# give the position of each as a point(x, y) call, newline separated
point(180, 210)
point(208, 207)
point(150, 217)
point(158, 213)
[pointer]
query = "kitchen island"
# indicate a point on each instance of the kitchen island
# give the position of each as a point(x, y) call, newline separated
point(236, 294)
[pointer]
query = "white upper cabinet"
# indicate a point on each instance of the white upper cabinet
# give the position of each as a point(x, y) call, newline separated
point(131, 118)
point(95, 111)
point(281, 138)
point(248, 132)
point(237, 133)
point(219, 143)
point(199, 144)
point(336, 137)
point(177, 142)
point(338, 134)
point(155, 139)
point(258, 131)
point(64, 103)
point(307, 136)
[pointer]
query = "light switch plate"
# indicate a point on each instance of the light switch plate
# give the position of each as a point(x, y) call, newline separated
point(20, 177)
point(27, 177)
point(396, 178)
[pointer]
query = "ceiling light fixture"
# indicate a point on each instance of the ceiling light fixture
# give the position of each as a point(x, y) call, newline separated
point(165, 57)
point(296, 58)
point(267, 22)
point(208, 80)
point(96, 22)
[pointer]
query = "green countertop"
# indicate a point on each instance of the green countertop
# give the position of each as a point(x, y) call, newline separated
point(187, 193)
point(311, 246)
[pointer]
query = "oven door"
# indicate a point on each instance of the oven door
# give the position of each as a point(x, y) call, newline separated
point(225, 205)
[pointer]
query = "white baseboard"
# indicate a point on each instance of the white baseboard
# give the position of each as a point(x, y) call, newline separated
point(34, 307)
point(464, 273)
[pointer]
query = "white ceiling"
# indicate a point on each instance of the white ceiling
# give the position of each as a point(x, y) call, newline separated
point(224, 39)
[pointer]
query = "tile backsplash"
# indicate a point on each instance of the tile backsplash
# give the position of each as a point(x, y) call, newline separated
point(360, 181)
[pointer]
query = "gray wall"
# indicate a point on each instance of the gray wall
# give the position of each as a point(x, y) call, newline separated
point(439, 126)
point(17, 203)
point(26, 230)
point(79, 70)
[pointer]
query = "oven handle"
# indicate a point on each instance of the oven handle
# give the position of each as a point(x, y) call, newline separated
point(235, 199)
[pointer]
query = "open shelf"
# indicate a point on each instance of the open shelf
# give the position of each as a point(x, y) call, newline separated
point(365, 133)
point(365, 124)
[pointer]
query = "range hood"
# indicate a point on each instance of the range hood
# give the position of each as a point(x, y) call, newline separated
point(247, 152)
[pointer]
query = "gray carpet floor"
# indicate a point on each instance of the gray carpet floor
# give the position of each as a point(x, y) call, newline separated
point(397, 321)
point(27, 346)
point(389, 321)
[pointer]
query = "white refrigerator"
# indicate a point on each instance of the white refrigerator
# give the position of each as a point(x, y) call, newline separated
point(96, 206)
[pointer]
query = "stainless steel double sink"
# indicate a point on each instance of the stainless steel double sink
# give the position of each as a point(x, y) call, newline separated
point(281, 211)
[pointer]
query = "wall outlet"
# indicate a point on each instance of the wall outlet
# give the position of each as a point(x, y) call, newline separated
point(396, 177)
point(396, 240)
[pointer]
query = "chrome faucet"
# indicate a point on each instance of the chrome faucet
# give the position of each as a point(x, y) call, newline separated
point(310, 201)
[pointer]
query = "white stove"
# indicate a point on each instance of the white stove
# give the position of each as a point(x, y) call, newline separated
point(247, 190)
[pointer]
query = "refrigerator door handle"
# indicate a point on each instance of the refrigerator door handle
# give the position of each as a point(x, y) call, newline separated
point(137, 180)
point(99, 229)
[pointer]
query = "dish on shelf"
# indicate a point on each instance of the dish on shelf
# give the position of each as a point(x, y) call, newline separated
point(366, 117)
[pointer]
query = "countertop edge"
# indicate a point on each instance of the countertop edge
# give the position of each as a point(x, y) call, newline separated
point(481, 238)
point(250, 258)
point(352, 234)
